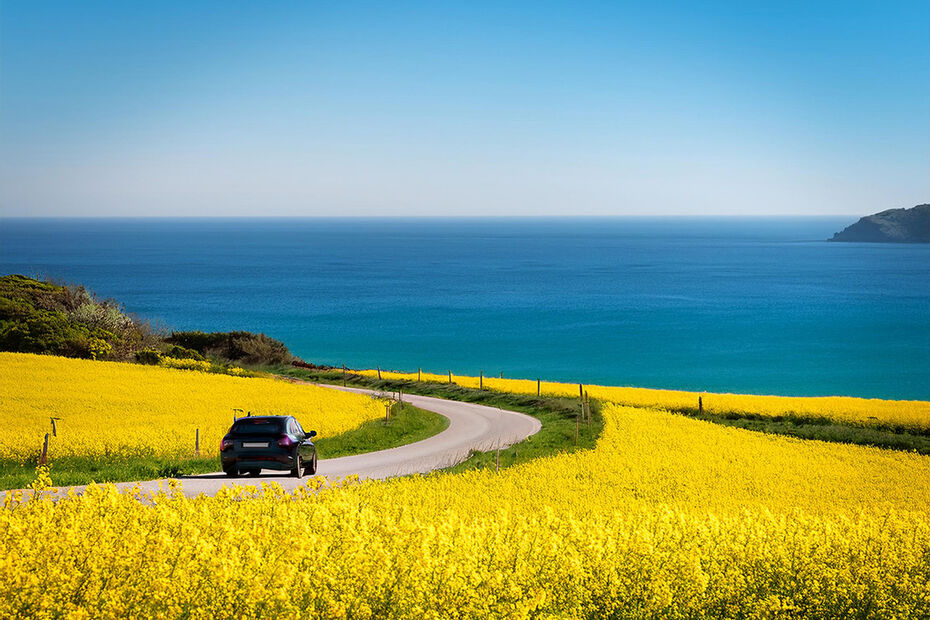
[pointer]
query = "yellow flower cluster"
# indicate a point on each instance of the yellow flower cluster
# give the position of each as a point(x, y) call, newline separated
point(111, 409)
point(201, 365)
point(668, 517)
point(904, 414)
point(186, 364)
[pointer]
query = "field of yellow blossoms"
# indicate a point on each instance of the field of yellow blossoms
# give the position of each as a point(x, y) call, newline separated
point(899, 414)
point(112, 409)
point(667, 517)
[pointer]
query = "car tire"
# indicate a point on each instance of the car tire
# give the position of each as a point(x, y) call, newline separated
point(232, 472)
point(310, 468)
point(298, 470)
point(254, 472)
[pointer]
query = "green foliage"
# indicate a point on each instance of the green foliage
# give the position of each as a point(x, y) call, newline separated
point(148, 356)
point(44, 317)
point(183, 353)
point(241, 347)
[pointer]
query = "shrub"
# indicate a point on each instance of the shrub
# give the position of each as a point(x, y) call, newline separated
point(148, 356)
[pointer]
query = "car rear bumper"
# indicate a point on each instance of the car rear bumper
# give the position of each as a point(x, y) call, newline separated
point(264, 460)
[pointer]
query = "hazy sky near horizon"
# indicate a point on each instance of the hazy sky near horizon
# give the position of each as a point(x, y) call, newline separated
point(464, 108)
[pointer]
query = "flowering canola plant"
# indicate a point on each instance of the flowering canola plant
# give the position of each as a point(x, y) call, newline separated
point(667, 517)
point(901, 414)
point(114, 410)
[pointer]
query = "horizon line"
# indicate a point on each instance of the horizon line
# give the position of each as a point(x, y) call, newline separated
point(429, 217)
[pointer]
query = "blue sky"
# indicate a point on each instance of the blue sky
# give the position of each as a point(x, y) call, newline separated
point(471, 108)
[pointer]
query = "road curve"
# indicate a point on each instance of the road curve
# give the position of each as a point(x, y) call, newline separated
point(471, 427)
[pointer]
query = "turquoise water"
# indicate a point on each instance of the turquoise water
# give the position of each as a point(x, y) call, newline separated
point(741, 305)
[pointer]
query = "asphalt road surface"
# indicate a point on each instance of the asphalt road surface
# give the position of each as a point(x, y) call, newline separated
point(471, 427)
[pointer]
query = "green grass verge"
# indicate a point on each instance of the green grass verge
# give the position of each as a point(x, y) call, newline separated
point(408, 424)
point(558, 416)
point(823, 430)
point(69, 471)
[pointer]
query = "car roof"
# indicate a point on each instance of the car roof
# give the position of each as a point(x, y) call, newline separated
point(265, 417)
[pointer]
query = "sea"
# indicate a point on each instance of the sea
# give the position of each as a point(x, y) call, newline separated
point(747, 305)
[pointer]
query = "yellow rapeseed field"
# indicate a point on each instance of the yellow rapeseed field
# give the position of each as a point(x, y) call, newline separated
point(111, 409)
point(904, 414)
point(667, 518)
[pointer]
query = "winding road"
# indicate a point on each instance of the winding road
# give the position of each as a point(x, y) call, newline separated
point(471, 428)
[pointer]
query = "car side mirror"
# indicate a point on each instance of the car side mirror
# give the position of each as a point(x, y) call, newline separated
point(311, 434)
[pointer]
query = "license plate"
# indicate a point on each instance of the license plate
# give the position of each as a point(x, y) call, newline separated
point(253, 444)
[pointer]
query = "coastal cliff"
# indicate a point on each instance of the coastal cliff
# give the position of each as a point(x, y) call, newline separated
point(891, 226)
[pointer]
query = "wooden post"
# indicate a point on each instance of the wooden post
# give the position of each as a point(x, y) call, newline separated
point(587, 404)
point(498, 458)
point(581, 392)
point(576, 429)
point(450, 376)
point(538, 385)
point(197, 443)
point(481, 380)
point(419, 374)
point(400, 396)
point(387, 412)
point(54, 429)
point(379, 373)
point(43, 459)
point(700, 406)
point(343, 375)
point(502, 374)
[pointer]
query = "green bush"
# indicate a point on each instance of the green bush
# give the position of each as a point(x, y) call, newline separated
point(183, 353)
point(44, 317)
point(148, 356)
point(240, 347)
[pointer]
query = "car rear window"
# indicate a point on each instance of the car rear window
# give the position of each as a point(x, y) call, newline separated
point(257, 426)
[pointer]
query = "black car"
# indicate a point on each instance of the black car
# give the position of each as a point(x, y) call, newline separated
point(268, 442)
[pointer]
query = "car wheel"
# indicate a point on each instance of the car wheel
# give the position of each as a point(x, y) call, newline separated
point(232, 472)
point(310, 468)
point(298, 470)
point(254, 472)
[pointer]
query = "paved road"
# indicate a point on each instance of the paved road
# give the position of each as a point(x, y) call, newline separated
point(471, 427)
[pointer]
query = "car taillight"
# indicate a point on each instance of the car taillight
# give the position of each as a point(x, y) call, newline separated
point(286, 442)
point(226, 444)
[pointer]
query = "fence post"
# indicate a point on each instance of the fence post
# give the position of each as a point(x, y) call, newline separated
point(537, 387)
point(700, 406)
point(587, 404)
point(481, 380)
point(379, 373)
point(502, 374)
point(54, 428)
point(197, 442)
point(44, 458)
point(343, 375)
point(450, 376)
point(387, 412)
point(419, 374)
